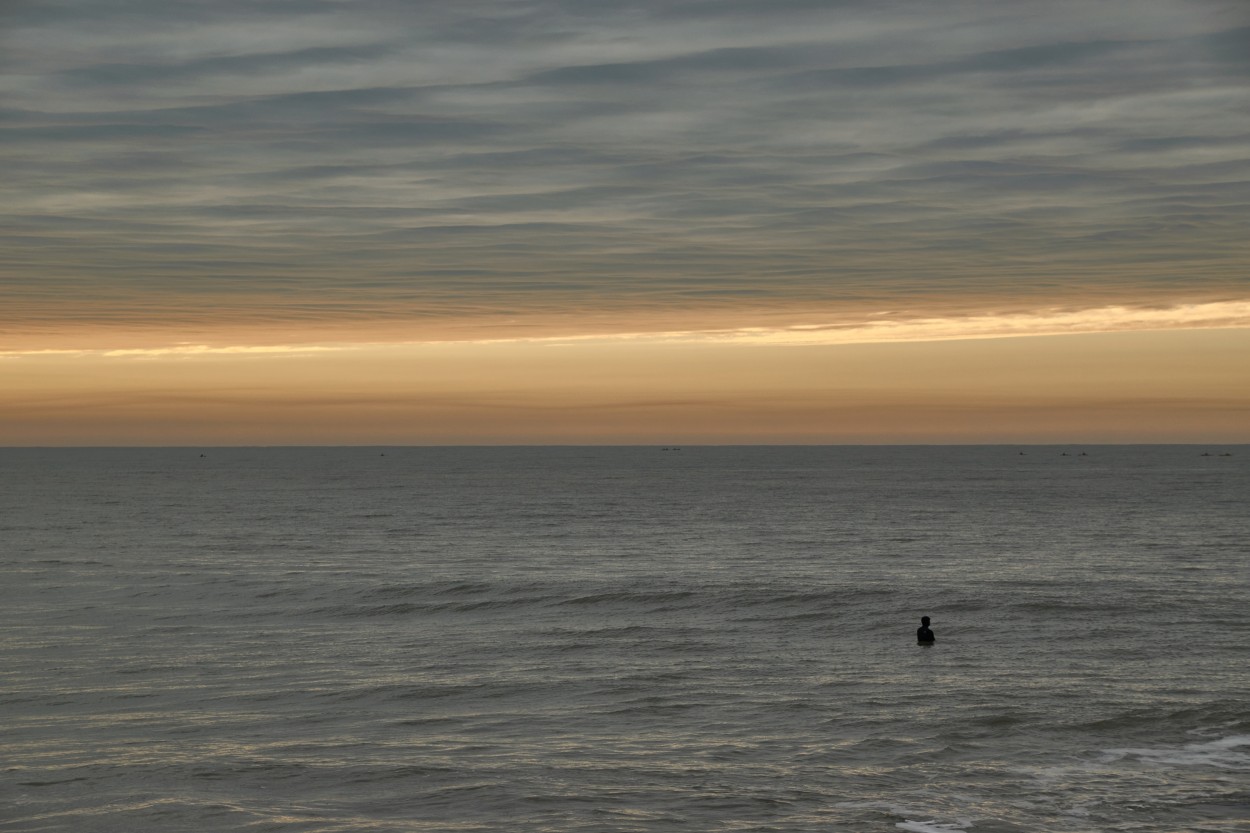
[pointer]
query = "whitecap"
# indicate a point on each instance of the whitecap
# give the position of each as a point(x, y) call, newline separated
point(933, 826)
point(1224, 753)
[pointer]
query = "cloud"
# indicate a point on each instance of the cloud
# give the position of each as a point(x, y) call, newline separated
point(887, 328)
point(1012, 325)
point(882, 328)
point(402, 160)
point(206, 350)
point(179, 351)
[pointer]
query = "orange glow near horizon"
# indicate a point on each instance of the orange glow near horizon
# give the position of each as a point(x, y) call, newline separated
point(382, 223)
point(262, 330)
point(1164, 386)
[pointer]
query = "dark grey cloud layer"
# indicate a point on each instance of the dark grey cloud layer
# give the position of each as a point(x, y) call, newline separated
point(319, 158)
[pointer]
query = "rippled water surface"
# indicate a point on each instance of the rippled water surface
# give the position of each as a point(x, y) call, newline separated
point(625, 639)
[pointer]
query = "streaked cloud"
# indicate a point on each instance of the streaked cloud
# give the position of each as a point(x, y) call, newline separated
point(179, 351)
point(206, 350)
point(321, 165)
point(549, 220)
point(1234, 314)
point(884, 328)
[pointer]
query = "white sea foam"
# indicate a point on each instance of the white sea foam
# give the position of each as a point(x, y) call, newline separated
point(932, 826)
point(1225, 753)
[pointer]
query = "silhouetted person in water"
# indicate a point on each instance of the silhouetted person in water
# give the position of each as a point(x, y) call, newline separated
point(923, 635)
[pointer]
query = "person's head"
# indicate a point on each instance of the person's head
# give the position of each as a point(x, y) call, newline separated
point(924, 620)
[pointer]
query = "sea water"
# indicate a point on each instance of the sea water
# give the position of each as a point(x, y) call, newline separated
point(625, 639)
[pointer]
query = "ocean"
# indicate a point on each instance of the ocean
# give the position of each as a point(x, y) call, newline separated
point(625, 639)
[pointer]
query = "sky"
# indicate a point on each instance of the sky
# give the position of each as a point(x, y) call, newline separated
point(269, 222)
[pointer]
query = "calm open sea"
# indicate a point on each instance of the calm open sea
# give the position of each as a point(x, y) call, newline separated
point(625, 639)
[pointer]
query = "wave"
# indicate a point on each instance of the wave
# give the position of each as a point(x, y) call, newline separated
point(453, 588)
point(1224, 753)
point(743, 603)
point(933, 826)
point(1229, 715)
point(630, 597)
point(415, 608)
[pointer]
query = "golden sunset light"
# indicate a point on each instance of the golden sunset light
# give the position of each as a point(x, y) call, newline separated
point(1170, 386)
point(624, 416)
point(332, 225)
